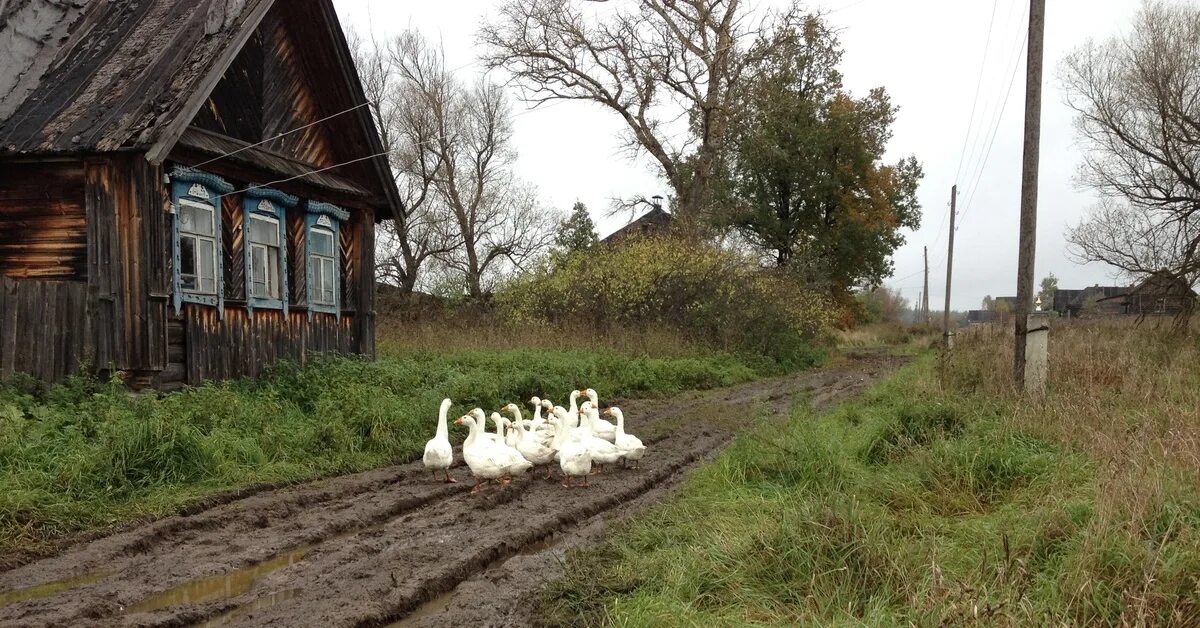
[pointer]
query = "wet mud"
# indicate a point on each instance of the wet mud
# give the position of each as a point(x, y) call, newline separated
point(390, 547)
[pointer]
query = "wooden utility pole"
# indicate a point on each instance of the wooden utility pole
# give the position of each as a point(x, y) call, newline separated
point(925, 301)
point(1029, 181)
point(950, 270)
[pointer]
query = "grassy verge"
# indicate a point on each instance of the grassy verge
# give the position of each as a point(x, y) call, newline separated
point(939, 497)
point(85, 454)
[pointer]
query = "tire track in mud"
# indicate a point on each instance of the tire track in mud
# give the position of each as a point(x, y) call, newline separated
point(371, 548)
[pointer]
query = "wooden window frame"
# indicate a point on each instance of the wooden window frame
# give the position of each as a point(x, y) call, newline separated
point(326, 218)
point(197, 188)
point(271, 205)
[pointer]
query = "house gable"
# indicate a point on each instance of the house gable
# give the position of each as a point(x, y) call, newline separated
point(269, 92)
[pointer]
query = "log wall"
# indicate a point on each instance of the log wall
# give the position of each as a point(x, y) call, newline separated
point(43, 231)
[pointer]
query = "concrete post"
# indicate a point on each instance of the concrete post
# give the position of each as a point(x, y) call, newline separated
point(1037, 349)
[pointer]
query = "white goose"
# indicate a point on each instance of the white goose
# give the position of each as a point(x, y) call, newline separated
point(439, 455)
point(573, 411)
point(531, 446)
point(600, 428)
point(531, 429)
point(489, 460)
point(631, 446)
point(481, 421)
point(574, 457)
point(504, 426)
point(603, 452)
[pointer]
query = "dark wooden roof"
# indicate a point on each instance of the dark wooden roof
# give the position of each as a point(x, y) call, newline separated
point(94, 76)
point(654, 220)
point(99, 76)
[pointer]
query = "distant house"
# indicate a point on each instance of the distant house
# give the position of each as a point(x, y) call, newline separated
point(1161, 294)
point(1005, 305)
point(1093, 301)
point(657, 220)
point(188, 189)
point(979, 317)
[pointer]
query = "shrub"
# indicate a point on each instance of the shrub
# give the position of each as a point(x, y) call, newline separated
point(710, 295)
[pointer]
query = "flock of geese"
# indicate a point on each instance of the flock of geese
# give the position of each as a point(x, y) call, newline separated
point(576, 438)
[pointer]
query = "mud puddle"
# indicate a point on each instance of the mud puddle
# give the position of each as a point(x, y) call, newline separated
point(388, 546)
point(50, 589)
point(220, 587)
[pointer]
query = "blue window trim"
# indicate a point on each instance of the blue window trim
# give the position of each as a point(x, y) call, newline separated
point(273, 203)
point(205, 188)
point(329, 217)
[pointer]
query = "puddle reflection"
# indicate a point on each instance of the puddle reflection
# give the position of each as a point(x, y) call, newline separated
point(217, 587)
point(50, 589)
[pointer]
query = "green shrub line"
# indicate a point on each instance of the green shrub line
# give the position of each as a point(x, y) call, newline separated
point(905, 507)
point(83, 454)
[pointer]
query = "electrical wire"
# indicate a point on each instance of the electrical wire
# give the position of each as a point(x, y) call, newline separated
point(978, 84)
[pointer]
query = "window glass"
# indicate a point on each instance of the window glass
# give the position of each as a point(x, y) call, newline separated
point(264, 230)
point(323, 262)
point(197, 247)
point(322, 243)
point(265, 253)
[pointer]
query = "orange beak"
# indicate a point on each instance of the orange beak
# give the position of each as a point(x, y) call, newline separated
point(459, 420)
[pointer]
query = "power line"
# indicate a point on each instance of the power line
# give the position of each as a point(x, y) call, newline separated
point(978, 84)
point(284, 134)
point(996, 128)
point(979, 140)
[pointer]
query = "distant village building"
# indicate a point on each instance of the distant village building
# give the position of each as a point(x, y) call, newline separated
point(188, 189)
point(657, 220)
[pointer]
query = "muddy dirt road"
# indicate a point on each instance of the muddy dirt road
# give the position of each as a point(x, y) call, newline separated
point(389, 547)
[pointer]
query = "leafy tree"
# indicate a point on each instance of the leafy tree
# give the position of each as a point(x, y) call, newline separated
point(882, 305)
point(1046, 294)
point(577, 232)
point(989, 303)
point(806, 183)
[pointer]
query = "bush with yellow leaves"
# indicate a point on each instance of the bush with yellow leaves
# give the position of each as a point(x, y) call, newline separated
point(707, 294)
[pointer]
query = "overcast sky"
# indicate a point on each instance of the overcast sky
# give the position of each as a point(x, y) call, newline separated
point(928, 54)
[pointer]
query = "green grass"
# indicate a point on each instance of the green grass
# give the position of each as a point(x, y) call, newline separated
point(908, 506)
point(85, 454)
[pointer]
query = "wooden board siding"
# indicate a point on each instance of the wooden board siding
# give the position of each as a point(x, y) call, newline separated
point(233, 242)
point(292, 97)
point(244, 344)
point(44, 328)
point(43, 229)
point(128, 263)
point(297, 256)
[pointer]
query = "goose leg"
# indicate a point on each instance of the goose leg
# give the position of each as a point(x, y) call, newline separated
point(478, 486)
point(434, 471)
point(449, 480)
point(585, 482)
point(568, 481)
point(549, 472)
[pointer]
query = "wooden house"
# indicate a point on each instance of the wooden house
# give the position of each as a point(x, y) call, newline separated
point(1160, 294)
point(188, 189)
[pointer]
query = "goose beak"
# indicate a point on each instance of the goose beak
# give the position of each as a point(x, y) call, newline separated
point(459, 420)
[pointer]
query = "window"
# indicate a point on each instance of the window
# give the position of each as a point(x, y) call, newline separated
point(197, 247)
point(324, 253)
point(324, 266)
point(196, 237)
point(265, 228)
point(265, 258)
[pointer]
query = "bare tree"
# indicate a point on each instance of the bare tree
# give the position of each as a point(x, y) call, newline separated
point(467, 143)
point(668, 68)
point(1137, 97)
point(418, 233)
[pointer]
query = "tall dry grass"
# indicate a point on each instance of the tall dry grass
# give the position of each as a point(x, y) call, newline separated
point(1126, 395)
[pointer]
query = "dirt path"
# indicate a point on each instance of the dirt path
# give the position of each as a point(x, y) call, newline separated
point(388, 545)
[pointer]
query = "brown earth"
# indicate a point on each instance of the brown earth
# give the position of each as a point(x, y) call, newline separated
point(391, 546)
